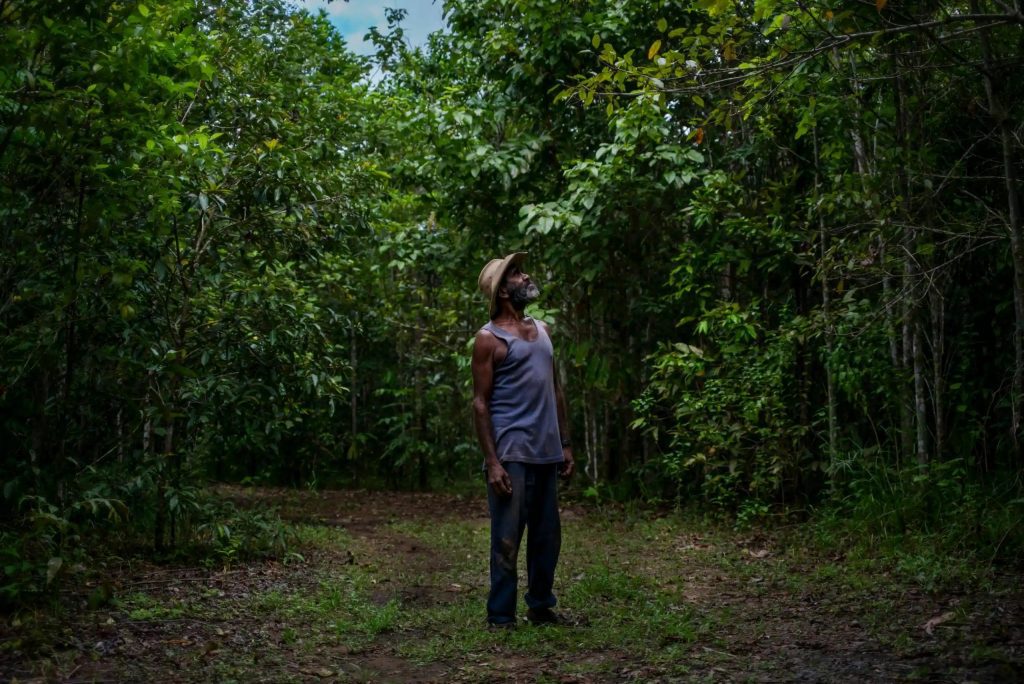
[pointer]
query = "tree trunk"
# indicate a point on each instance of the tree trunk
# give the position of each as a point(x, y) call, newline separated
point(70, 346)
point(419, 418)
point(160, 524)
point(938, 315)
point(907, 410)
point(892, 319)
point(590, 439)
point(908, 376)
point(920, 394)
point(826, 310)
point(353, 400)
point(1001, 116)
point(613, 474)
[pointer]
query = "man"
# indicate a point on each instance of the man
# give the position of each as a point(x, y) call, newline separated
point(520, 418)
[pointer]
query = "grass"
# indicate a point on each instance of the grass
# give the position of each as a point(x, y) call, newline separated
point(618, 577)
point(652, 596)
point(341, 605)
point(321, 537)
point(142, 606)
point(621, 611)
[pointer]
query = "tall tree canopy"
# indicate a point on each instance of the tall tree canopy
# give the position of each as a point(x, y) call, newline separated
point(780, 243)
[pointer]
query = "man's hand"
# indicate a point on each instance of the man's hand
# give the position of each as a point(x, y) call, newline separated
point(498, 479)
point(568, 465)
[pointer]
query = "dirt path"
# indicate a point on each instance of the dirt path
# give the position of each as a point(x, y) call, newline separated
point(390, 588)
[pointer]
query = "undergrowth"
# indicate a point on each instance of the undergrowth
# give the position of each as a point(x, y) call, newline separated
point(932, 525)
point(49, 541)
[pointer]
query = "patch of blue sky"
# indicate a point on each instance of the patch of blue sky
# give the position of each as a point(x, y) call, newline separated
point(354, 18)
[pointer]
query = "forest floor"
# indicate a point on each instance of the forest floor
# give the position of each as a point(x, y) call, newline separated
point(390, 588)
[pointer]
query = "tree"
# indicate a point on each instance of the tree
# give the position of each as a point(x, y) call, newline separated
point(182, 187)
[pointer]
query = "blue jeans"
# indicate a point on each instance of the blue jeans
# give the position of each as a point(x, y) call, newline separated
point(533, 505)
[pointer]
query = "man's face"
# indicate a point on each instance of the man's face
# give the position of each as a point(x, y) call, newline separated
point(521, 290)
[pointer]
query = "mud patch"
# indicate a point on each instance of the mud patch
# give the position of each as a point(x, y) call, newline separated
point(389, 669)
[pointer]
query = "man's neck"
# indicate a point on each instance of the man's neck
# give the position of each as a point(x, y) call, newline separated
point(509, 315)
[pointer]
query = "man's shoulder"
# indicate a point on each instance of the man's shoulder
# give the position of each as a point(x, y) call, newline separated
point(484, 337)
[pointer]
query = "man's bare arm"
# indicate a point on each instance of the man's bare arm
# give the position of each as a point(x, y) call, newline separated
point(483, 384)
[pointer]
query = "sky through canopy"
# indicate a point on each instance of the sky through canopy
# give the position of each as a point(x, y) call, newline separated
point(354, 18)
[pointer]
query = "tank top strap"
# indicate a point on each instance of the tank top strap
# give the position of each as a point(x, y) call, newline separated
point(541, 331)
point(508, 337)
point(502, 335)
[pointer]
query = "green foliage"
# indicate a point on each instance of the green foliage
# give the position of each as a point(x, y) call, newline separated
point(180, 185)
point(49, 539)
point(731, 433)
point(817, 268)
point(769, 237)
point(224, 534)
point(936, 523)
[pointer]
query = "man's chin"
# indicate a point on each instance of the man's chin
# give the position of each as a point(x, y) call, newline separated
point(523, 298)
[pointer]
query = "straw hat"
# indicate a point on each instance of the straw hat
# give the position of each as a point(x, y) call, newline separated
point(492, 274)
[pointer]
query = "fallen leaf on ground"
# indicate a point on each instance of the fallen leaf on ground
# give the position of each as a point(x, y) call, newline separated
point(695, 547)
point(930, 626)
point(322, 672)
point(759, 553)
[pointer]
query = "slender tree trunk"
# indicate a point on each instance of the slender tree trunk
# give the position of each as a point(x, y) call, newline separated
point(864, 160)
point(892, 317)
point(892, 320)
point(801, 372)
point(908, 411)
point(830, 376)
point(70, 345)
point(1001, 116)
point(906, 366)
point(353, 399)
point(419, 415)
point(590, 437)
point(920, 394)
point(119, 426)
point(728, 282)
point(420, 429)
point(826, 309)
point(606, 448)
point(644, 377)
point(912, 130)
point(147, 425)
point(938, 316)
point(604, 430)
point(590, 416)
point(39, 420)
point(160, 524)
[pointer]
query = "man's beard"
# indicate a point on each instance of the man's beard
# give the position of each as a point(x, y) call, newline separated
point(520, 296)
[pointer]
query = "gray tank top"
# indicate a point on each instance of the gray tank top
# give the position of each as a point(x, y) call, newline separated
point(523, 409)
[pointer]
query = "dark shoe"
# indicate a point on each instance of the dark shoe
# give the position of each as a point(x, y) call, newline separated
point(500, 626)
point(544, 616)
